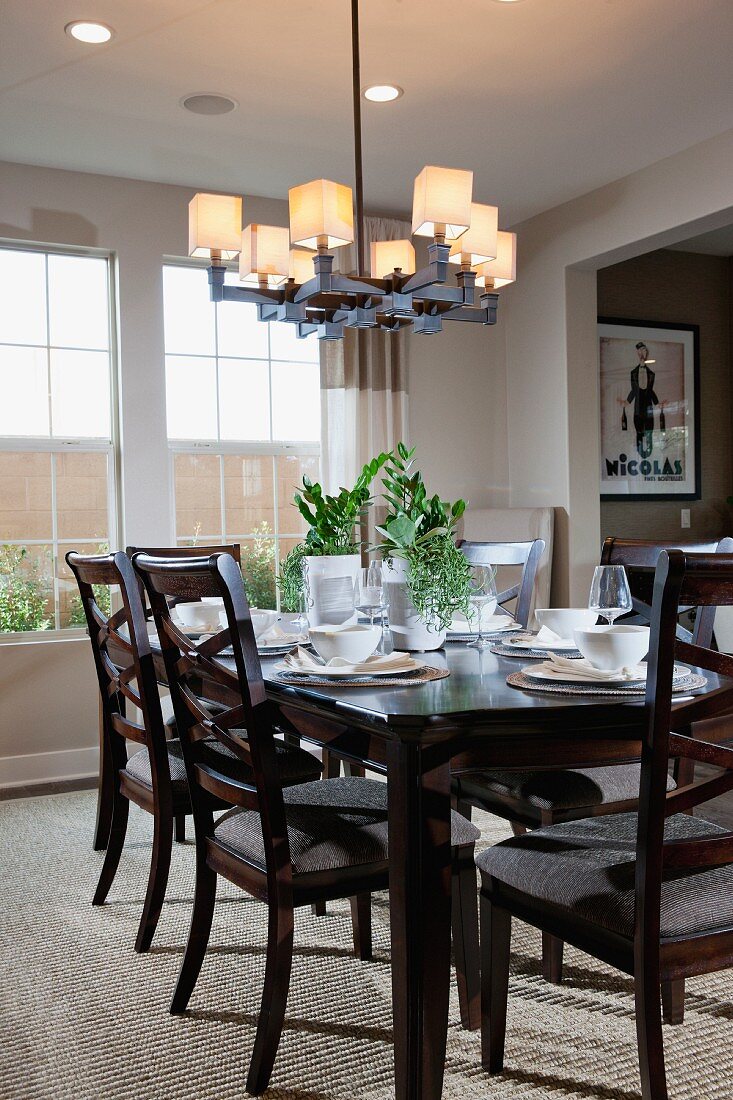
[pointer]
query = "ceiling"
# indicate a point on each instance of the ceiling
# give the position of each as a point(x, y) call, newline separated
point(719, 242)
point(544, 99)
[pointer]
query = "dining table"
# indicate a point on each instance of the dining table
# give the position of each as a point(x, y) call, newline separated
point(422, 736)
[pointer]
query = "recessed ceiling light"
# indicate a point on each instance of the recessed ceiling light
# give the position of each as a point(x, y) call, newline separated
point(84, 31)
point(208, 103)
point(382, 93)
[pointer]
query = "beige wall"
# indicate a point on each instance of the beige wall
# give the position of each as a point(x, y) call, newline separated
point(685, 288)
point(552, 360)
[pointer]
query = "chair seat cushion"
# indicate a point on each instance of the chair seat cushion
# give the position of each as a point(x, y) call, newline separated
point(332, 823)
point(587, 868)
point(557, 790)
point(296, 765)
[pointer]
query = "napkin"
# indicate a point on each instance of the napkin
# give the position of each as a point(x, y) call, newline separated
point(275, 636)
point(583, 670)
point(490, 624)
point(303, 661)
point(545, 636)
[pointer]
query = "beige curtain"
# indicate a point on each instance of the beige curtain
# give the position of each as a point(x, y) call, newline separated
point(363, 388)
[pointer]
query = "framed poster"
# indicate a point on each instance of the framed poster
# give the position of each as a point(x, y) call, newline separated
point(650, 418)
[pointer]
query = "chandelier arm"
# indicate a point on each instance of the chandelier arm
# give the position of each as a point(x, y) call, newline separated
point(358, 168)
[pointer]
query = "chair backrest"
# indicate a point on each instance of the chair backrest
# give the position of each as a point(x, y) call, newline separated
point(525, 554)
point(639, 557)
point(701, 580)
point(124, 663)
point(232, 548)
point(199, 671)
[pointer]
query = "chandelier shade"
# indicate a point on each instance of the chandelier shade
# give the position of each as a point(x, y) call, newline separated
point(503, 270)
point(389, 256)
point(214, 226)
point(300, 267)
point(479, 243)
point(264, 258)
point(321, 214)
point(441, 202)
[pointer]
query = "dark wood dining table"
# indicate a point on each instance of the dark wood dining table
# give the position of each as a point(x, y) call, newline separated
point(421, 736)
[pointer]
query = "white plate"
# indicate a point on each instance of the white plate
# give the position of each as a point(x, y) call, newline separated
point(345, 674)
point(539, 672)
point(520, 641)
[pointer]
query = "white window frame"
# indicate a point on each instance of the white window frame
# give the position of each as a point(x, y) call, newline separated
point(60, 444)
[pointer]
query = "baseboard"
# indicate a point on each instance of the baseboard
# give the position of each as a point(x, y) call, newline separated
point(48, 767)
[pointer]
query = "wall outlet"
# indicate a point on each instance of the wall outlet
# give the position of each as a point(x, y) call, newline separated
point(685, 515)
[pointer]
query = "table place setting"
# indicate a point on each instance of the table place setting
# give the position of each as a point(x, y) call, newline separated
point(345, 654)
point(556, 632)
point(492, 626)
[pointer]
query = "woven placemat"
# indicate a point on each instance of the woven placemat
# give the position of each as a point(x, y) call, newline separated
point(512, 651)
point(693, 682)
point(408, 679)
point(491, 636)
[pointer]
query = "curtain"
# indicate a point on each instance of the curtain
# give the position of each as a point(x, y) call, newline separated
point(363, 386)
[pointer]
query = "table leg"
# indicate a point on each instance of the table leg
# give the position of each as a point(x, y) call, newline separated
point(420, 911)
point(104, 789)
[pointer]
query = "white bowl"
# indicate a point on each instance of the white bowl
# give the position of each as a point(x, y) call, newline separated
point(564, 620)
point(261, 620)
point(218, 601)
point(198, 616)
point(611, 647)
point(353, 642)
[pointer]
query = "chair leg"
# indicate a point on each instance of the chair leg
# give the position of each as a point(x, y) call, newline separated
point(115, 842)
point(331, 765)
point(160, 862)
point(105, 789)
point(198, 937)
point(361, 922)
point(649, 1035)
point(356, 771)
point(274, 997)
point(464, 920)
point(673, 1001)
point(517, 828)
point(180, 824)
point(552, 949)
point(318, 908)
point(496, 931)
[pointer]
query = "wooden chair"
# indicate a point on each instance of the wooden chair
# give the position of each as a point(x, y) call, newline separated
point(288, 848)
point(104, 794)
point(533, 799)
point(526, 554)
point(154, 778)
point(649, 893)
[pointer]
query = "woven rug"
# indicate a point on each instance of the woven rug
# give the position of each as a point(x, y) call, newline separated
point(82, 1017)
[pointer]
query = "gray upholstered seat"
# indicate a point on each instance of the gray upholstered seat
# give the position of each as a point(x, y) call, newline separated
point(587, 867)
point(557, 790)
point(333, 823)
point(296, 765)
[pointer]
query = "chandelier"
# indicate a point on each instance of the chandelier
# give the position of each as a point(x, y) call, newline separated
point(289, 273)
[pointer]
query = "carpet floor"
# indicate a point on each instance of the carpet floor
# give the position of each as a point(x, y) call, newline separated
point(82, 1017)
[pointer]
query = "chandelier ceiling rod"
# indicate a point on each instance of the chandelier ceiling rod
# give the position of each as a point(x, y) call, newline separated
point(358, 167)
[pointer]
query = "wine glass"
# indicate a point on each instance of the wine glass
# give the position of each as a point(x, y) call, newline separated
point(482, 591)
point(610, 595)
point(370, 596)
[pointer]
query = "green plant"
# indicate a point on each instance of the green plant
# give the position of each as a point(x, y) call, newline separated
point(23, 604)
point(258, 567)
point(419, 530)
point(331, 526)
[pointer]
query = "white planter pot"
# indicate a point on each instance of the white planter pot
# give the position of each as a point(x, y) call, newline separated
point(409, 630)
point(330, 584)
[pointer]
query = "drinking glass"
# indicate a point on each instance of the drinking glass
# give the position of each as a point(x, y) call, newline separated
point(371, 598)
point(482, 591)
point(610, 595)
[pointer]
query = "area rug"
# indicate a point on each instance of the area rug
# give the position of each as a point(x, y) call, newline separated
point(82, 1017)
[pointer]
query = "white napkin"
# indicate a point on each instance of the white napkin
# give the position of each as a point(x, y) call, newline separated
point(559, 667)
point(490, 624)
point(303, 661)
point(275, 636)
point(545, 636)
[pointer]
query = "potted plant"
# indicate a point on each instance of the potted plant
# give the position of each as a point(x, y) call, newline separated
point(326, 564)
point(426, 575)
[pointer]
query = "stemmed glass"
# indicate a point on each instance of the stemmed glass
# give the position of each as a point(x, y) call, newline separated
point(482, 591)
point(370, 597)
point(610, 595)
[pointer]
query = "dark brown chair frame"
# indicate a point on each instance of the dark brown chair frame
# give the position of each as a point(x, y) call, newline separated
point(706, 581)
point(527, 554)
point(116, 691)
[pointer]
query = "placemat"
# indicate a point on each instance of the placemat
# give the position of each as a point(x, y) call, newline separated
point(491, 635)
point(693, 682)
point(511, 651)
point(408, 679)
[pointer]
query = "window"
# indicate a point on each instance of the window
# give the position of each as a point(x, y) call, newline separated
point(243, 401)
point(56, 431)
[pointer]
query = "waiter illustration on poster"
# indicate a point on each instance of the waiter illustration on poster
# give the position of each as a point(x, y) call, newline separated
point(644, 399)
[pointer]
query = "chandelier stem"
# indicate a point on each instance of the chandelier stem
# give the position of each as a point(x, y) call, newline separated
point(358, 169)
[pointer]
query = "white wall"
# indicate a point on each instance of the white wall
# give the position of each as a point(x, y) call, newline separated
point(552, 392)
